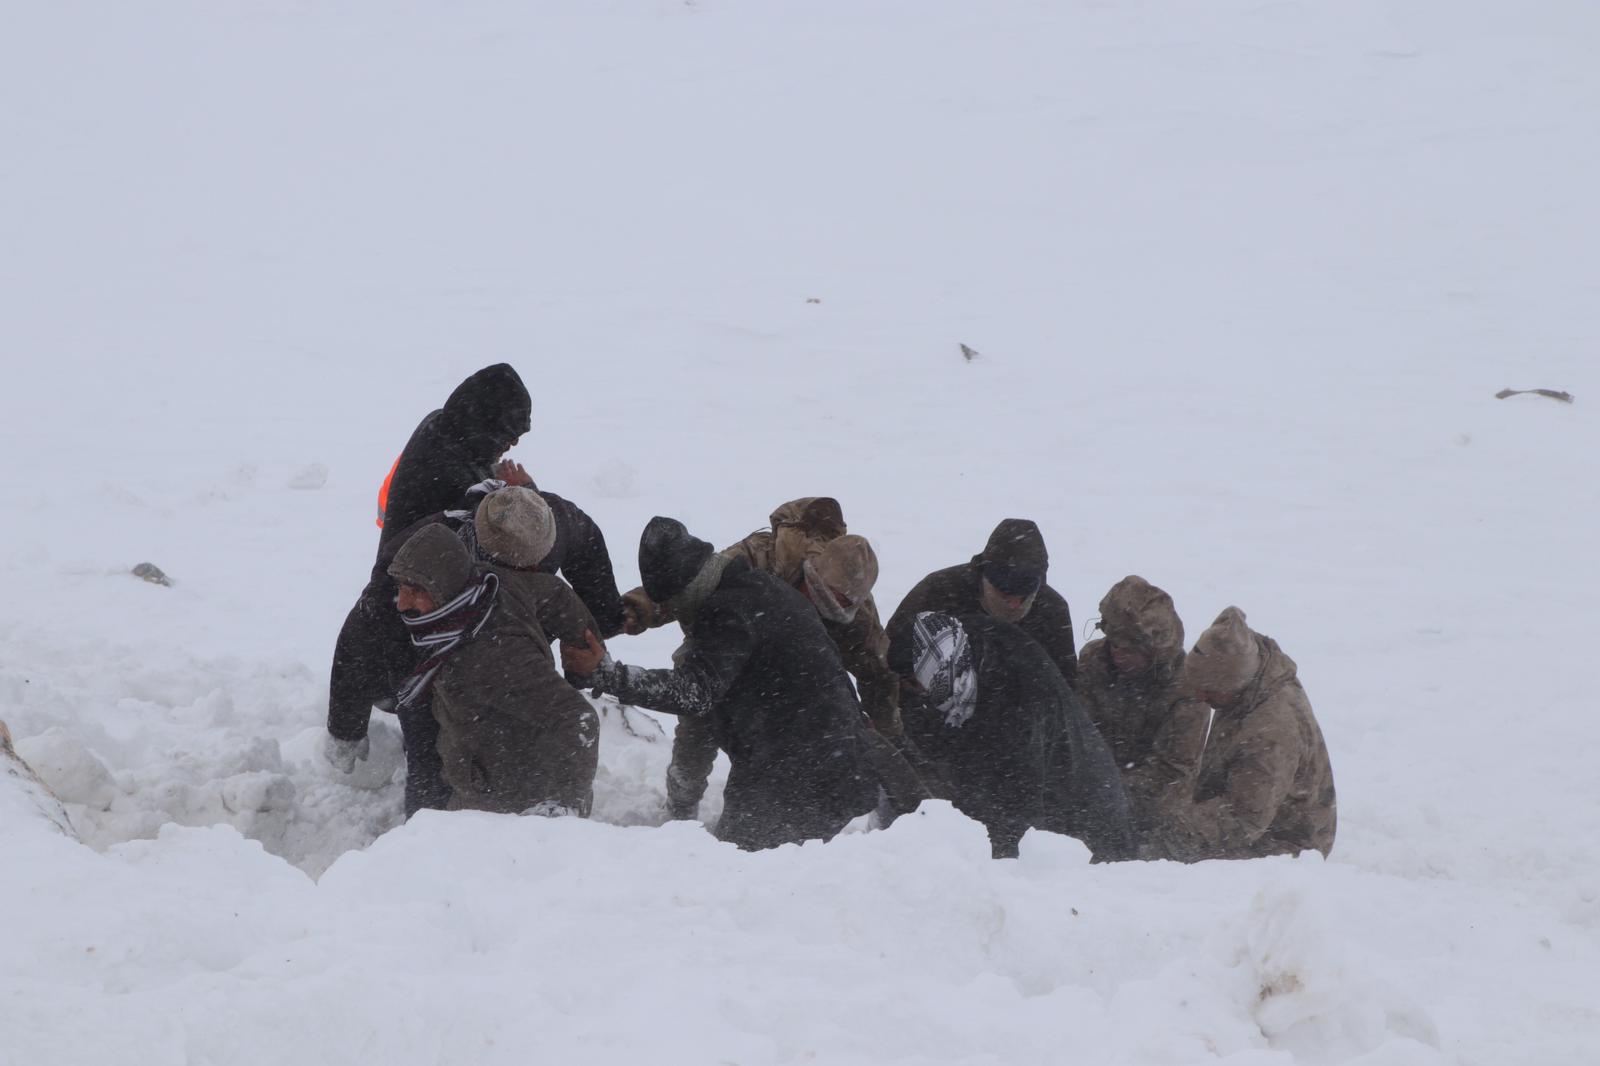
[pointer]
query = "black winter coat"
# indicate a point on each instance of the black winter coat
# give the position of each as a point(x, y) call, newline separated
point(760, 666)
point(456, 446)
point(957, 590)
point(1029, 757)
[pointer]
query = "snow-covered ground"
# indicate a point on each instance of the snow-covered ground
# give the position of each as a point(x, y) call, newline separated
point(1243, 277)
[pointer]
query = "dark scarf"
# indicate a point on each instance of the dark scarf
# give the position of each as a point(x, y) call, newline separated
point(444, 630)
point(467, 528)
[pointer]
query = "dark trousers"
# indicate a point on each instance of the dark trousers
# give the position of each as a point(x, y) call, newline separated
point(425, 783)
point(371, 658)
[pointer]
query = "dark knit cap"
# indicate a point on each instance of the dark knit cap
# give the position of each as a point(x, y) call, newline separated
point(1015, 560)
point(434, 559)
point(669, 558)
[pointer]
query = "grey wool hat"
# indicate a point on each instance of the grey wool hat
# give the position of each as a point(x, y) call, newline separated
point(516, 527)
point(434, 559)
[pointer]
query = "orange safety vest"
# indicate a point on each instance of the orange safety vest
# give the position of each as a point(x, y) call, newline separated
point(383, 490)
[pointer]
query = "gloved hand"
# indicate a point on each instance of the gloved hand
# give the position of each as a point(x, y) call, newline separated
point(639, 613)
point(581, 661)
point(343, 755)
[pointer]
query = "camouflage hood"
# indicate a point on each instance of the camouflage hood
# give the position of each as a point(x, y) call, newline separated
point(799, 530)
point(1139, 614)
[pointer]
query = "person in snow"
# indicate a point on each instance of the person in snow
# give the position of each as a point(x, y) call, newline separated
point(512, 736)
point(1015, 746)
point(759, 667)
point(809, 548)
point(1129, 680)
point(1006, 581)
point(1265, 786)
point(373, 652)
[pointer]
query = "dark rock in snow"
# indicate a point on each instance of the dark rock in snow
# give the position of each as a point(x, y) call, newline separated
point(152, 573)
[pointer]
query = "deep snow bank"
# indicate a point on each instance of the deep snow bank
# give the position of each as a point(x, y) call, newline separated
point(477, 938)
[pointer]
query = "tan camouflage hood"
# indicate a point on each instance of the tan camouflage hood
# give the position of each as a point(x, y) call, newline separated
point(800, 528)
point(848, 565)
point(1138, 613)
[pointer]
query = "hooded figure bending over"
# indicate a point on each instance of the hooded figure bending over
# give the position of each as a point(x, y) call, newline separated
point(809, 548)
point(758, 666)
point(1130, 684)
point(1005, 581)
point(1265, 785)
point(1016, 749)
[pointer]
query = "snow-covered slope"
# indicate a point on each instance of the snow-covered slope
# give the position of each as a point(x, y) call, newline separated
point(1243, 279)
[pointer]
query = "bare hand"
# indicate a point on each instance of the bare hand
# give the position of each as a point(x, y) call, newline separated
point(511, 473)
point(631, 624)
point(583, 661)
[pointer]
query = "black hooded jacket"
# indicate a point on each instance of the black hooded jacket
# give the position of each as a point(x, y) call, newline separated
point(1016, 543)
point(762, 670)
point(456, 446)
point(1028, 756)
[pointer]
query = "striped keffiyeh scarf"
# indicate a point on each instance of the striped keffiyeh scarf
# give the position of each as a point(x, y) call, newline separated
point(941, 657)
point(445, 629)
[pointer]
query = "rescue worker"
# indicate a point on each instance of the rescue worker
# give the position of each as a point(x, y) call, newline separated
point(1016, 749)
point(512, 736)
point(808, 547)
point(1005, 581)
point(454, 451)
point(1265, 785)
point(1129, 680)
point(758, 665)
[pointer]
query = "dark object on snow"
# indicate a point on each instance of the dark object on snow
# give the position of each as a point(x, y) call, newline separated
point(761, 669)
point(152, 573)
point(1554, 394)
point(1020, 752)
point(1015, 552)
point(969, 354)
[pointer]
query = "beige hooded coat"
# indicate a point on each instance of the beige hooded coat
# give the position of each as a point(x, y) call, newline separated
point(1265, 785)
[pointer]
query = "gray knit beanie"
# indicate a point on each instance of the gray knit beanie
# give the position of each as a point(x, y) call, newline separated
point(434, 559)
point(516, 527)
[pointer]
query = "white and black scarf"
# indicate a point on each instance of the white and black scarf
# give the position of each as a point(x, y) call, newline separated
point(445, 629)
point(466, 527)
point(941, 658)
